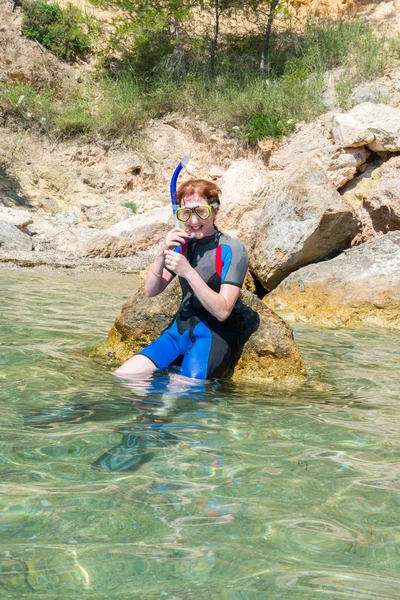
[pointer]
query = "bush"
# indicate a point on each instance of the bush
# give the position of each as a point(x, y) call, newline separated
point(21, 103)
point(130, 205)
point(59, 30)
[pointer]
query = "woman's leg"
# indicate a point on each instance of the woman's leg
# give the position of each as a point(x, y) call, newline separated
point(158, 355)
point(137, 365)
point(211, 354)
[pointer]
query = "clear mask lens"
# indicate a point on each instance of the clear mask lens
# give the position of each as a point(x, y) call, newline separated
point(183, 214)
point(203, 212)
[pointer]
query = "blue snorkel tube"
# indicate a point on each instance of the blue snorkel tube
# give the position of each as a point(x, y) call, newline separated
point(172, 187)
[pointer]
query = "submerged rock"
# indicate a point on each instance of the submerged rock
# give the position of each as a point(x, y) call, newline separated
point(361, 287)
point(267, 348)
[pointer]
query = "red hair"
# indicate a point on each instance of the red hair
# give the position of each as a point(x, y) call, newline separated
point(205, 189)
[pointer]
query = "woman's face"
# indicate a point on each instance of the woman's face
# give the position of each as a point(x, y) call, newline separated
point(201, 228)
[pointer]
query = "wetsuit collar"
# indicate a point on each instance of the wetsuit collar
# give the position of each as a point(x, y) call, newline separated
point(207, 239)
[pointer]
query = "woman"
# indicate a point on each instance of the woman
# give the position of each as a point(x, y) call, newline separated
point(211, 268)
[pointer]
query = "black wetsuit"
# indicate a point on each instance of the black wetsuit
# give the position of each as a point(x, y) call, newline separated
point(207, 345)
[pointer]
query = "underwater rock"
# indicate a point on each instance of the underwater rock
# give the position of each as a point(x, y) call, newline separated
point(267, 348)
point(359, 288)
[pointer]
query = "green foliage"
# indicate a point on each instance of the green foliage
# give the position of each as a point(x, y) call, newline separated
point(130, 205)
point(122, 108)
point(59, 30)
point(75, 118)
point(162, 67)
point(394, 45)
point(21, 103)
point(263, 125)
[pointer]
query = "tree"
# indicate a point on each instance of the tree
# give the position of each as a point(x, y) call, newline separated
point(149, 24)
point(264, 53)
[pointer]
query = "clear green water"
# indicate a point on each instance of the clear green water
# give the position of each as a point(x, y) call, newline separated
point(269, 493)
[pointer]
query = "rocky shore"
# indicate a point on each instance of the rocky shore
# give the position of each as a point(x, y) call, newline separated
point(319, 214)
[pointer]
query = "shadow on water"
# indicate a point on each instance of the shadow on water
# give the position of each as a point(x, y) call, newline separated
point(153, 402)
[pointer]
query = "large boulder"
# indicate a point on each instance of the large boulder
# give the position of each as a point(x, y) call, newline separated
point(268, 351)
point(374, 125)
point(304, 222)
point(11, 238)
point(360, 287)
point(244, 188)
point(19, 218)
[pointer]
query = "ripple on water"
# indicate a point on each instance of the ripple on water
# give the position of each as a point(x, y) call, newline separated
point(252, 491)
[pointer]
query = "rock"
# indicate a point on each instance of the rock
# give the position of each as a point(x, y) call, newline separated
point(247, 224)
point(372, 92)
point(19, 218)
point(244, 188)
point(375, 125)
point(103, 215)
point(265, 147)
point(269, 351)
point(11, 238)
point(340, 165)
point(87, 203)
point(313, 143)
point(305, 221)
point(151, 204)
point(330, 96)
point(108, 246)
point(360, 186)
point(358, 288)
point(380, 209)
point(167, 144)
point(304, 144)
point(216, 172)
point(135, 222)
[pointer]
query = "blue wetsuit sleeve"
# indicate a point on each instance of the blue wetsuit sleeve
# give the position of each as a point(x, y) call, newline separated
point(235, 262)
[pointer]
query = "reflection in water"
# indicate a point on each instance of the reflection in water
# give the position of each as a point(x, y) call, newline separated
point(266, 492)
point(157, 399)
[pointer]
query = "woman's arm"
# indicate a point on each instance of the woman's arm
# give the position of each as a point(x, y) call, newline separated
point(220, 304)
point(158, 277)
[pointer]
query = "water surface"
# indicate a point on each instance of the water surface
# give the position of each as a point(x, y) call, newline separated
point(247, 491)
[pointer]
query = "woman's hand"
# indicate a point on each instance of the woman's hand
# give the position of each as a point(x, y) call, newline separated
point(174, 238)
point(177, 263)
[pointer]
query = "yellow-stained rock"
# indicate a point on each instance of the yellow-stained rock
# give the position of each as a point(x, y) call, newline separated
point(359, 288)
